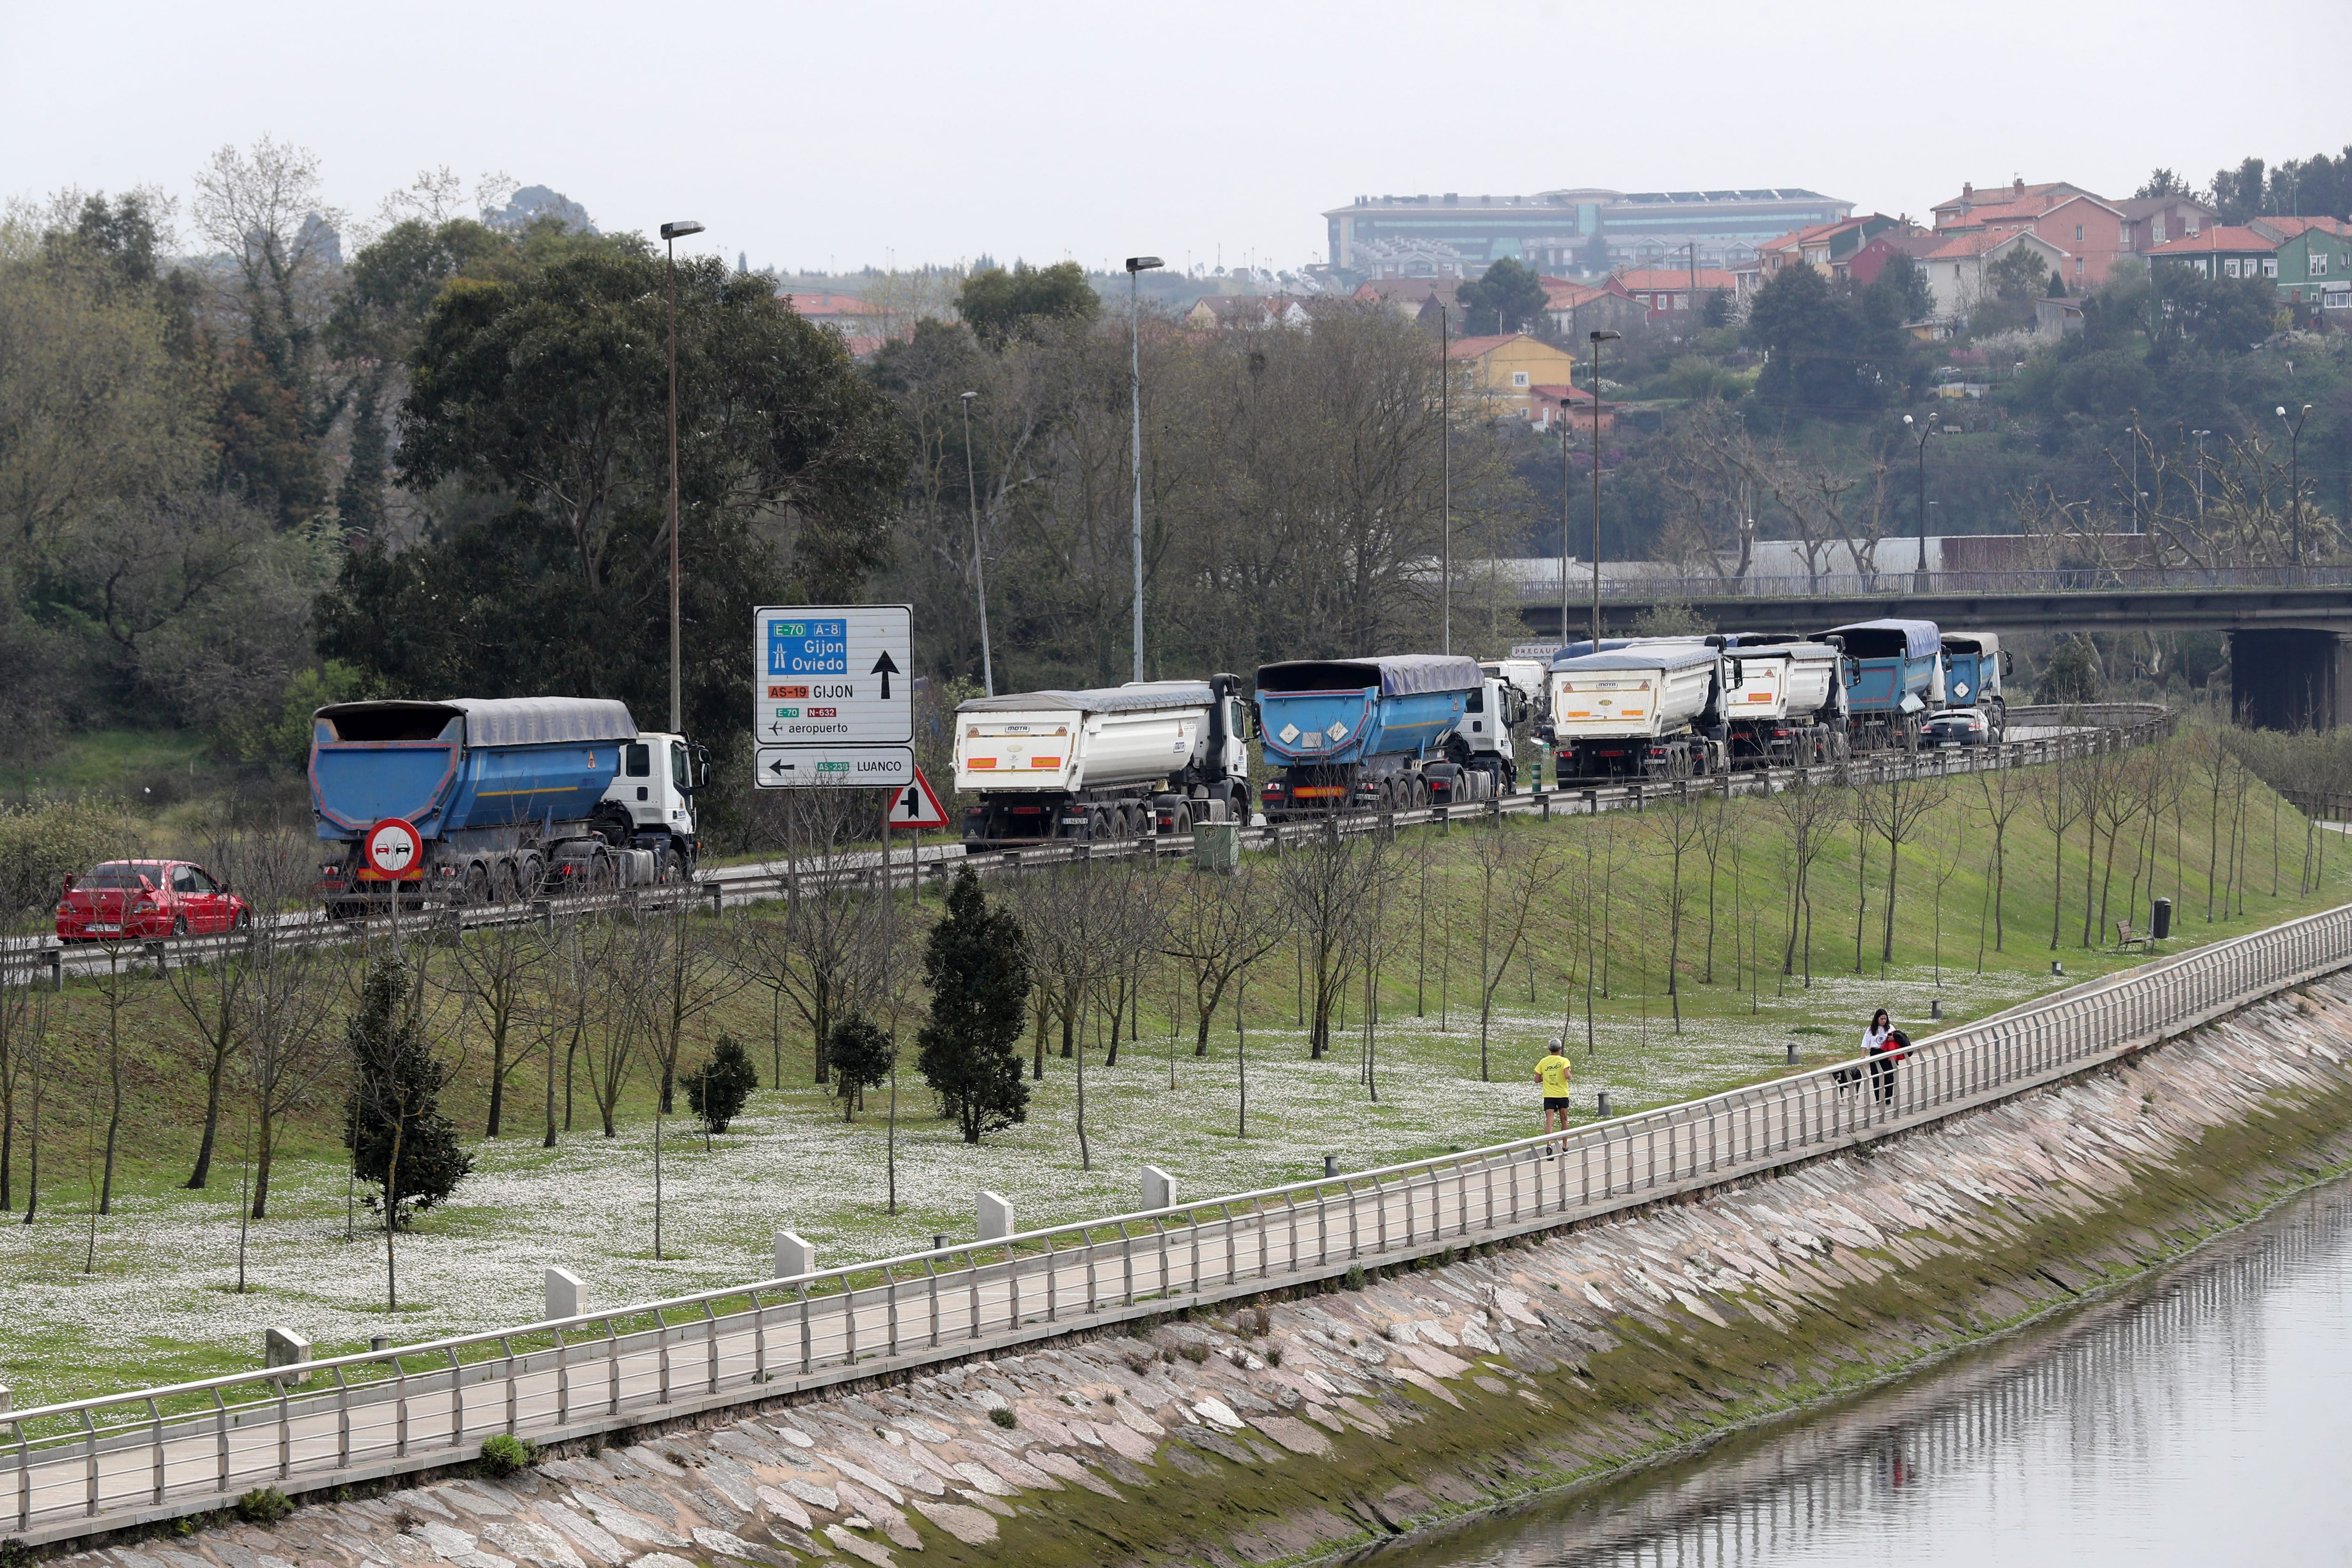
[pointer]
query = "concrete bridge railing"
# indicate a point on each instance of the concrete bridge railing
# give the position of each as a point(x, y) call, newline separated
point(1897, 577)
point(78, 1467)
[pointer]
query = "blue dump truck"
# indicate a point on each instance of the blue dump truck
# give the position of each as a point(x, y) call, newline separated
point(511, 798)
point(1381, 733)
point(1973, 667)
point(1895, 676)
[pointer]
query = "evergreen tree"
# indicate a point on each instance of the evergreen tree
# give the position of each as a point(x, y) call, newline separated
point(717, 1090)
point(1508, 298)
point(977, 964)
point(860, 1055)
point(400, 1143)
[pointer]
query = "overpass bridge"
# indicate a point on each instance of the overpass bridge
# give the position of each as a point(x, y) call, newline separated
point(2290, 628)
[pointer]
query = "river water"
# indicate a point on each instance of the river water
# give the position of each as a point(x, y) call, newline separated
point(2203, 1419)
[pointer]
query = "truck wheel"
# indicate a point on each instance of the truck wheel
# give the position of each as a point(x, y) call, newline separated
point(530, 876)
point(478, 883)
point(1180, 824)
point(601, 875)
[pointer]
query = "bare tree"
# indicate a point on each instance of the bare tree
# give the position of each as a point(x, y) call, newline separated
point(1327, 884)
point(280, 1020)
point(1217, 928)
point(820, 957)
point(2006, 790)
point(1514, 873)
point(496, 968)
point(1896, 807)
point(1809, 814)
point(2057, 802)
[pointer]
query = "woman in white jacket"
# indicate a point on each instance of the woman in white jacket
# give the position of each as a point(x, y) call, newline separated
point(1878, 1043)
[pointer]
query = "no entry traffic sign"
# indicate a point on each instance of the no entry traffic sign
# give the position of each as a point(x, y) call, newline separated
point(832, 701)
point(395, 850)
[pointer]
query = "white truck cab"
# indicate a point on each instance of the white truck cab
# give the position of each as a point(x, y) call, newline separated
point(651, 802)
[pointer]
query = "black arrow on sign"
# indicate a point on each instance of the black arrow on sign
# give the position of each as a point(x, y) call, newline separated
point(778, 765)
point(885, 668)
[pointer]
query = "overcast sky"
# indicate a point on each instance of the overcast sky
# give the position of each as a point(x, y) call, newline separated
point(847, 134)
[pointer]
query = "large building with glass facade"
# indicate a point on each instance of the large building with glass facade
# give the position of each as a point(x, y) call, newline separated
point(1586, 231)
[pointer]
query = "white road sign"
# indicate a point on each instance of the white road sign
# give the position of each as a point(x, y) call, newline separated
point(862, 766)
point(832, 700)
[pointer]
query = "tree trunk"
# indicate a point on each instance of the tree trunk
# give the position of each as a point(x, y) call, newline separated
point(498, 1077)
point(264, 1148)
point(203, 1173)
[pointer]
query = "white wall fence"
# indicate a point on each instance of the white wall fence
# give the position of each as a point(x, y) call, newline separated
point(83, 1466)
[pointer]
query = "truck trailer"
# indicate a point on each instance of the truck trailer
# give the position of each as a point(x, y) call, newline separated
point(511, 797)
point(1894, 675)
point(1652, 710)
point(1116, 762)
point(1377, 734)
point(1974, 666)
point(1787, 702)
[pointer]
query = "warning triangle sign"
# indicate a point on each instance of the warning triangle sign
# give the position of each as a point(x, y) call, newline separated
point(915, 806)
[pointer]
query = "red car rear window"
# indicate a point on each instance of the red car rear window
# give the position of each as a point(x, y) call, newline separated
point(123, 873)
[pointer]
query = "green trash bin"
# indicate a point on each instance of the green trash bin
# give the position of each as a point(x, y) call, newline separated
point(1216, 846)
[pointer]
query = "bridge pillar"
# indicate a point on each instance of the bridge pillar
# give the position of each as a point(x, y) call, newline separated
point(2288, 677)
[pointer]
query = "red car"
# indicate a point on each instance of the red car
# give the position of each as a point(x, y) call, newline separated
point(135, 901)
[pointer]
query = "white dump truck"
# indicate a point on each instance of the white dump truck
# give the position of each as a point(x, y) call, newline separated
point(1152, 756)
point(1787, 702)
point(1648, 710)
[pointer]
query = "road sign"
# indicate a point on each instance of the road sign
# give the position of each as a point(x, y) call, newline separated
point(808, 766)
point(915, 806)
point(395, 850)
point(832, 701)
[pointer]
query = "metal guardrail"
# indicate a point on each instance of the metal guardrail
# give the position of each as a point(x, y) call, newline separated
point(78, 1467)
point(1897, 578)
point(2079, 731)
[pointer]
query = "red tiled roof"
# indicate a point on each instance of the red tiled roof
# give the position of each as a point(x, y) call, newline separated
point(1559, 294)
point(829, 304)
point(2290, 227)
point(1656, 278)
point(2220, 237)
point(1472, 348)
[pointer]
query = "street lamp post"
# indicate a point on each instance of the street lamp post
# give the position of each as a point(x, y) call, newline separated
point(978, 570)
point(1567, 495)
point(1921, 432)
point(2294, 472)
point(1597, 337)
point(1137, 265)
point(671, 234)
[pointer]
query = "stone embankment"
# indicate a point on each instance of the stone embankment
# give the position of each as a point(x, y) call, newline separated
point(1314, 1422)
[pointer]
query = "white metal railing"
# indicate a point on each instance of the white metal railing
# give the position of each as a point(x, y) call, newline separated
point(79, 1466)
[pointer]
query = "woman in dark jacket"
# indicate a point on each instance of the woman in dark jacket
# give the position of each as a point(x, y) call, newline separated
point(1885, 1047)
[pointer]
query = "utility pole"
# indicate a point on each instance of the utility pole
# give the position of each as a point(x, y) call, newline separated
point(671, 234)
point(1137, 265)
point(979, 569)
point(1566, 493)
point(2294, 472)
point(1923, 432)
point(1446, 444)
point(1597, 337)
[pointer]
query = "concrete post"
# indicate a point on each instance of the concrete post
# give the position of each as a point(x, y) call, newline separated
point(4, 1399)
point(795, 1256)
point(995, 1217)
point(1330, 1165)
point(1604, 1103)
point(284, 1347)
point(57, 956)
point(565, 1299)
point(1159, 1189)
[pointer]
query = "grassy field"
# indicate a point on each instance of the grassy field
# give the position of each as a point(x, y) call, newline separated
point(147, 1293)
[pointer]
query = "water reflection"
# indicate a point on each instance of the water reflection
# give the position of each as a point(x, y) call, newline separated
point(2202, 1419)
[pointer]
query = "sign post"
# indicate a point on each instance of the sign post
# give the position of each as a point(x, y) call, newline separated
point(832, 701)
point(915, 806)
